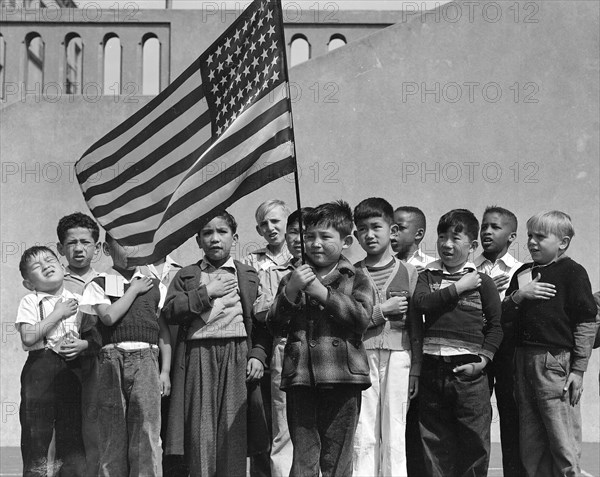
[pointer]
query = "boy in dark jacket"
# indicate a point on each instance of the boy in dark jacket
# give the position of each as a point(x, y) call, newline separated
point(327, 305)
point(462, 333)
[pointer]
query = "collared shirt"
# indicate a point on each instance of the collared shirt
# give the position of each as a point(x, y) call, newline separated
point(76, 283)
point(225, 318)
point(271, 269)
point(432, 347)
point(94, 294)
point(505, 265)
point(418, 259)
point(35, 307)
point(168, 272)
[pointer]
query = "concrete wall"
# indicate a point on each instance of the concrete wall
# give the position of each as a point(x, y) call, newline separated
point(381, 116)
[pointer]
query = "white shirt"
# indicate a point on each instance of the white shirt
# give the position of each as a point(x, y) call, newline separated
point(419, 259)
point(505, 265)
point(29, 313)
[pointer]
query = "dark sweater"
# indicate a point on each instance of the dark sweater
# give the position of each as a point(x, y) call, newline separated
point(471, 319)
point(552, 323)
point(140, 323)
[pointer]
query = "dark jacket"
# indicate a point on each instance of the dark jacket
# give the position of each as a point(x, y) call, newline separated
point(186, 300)
point(324, 342)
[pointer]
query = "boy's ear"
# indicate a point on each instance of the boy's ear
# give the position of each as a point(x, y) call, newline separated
point(198, 240)
point(106, 249)
point(564, 243)
point(511, 237)
point(27, 284)
point(97, 248)
point(347, 242)
point(235, 240)
point(419, 234)
point(258, 230)
point(60, 248)
point(474, 245)
point(394, 229)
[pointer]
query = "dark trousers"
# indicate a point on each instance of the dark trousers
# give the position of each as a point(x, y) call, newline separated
point(322, 423)
point(51, 402)
point(455, 417)
point(501, 378)
point(415, 463)
point(260, 464)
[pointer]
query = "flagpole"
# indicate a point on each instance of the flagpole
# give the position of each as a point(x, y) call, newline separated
point(289, 100)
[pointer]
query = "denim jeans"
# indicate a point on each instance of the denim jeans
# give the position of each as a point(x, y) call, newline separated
point(322, 423)
point(455, 415)
point(129, 413)
point(548, 421)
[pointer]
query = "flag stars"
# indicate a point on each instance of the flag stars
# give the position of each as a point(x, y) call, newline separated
point(211, 75)
point(220, 67)
point(273, 45)
point(246, 71)
point(252, 47)
point(264, 55)
point(260, 22)
point(261, 40)
point(275, 76)
point(255, 62)
point(275, 60)
point(271, 31)
point(215, 89)
point(209, 59)
point(232, 73)
point(238, 51)
point(223, 79)
point(269, 15)
point(219, 49)
point(227, 43)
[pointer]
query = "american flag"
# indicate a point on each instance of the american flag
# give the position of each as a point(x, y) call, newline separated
point(221, 130)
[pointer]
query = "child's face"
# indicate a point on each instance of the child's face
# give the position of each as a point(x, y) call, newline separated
point(292, 239)
point(454, 248)
point(79, 247)
point(324, 246)
point(373, 235)
point(44, 274)
point(496, 233)
point(118, 254)
point(545, 247)
point(272, 226)
point(216, 239)
point(406, 236)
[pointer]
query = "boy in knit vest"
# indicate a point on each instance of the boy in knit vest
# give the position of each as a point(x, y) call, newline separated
point(550, 304)
point(130, 385)
point(379, 440)
point(462, 333)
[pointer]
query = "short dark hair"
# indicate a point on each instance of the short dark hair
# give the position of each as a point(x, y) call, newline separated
point(374, 207)
point(295, 216)
point(30, 253)
point(507, 214)
point(462, 220)
point(75, 220)
point(409, 209)
point(221, 214)
point(336, 214)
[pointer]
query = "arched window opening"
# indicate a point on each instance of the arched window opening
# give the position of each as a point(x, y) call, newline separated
point(112, 65)
point(336, 41)
point(74, 64)
point(299, 50)
point(34, 69)
point(150, 65)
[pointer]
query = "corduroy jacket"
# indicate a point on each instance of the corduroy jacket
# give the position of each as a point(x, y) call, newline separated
point(324, 342)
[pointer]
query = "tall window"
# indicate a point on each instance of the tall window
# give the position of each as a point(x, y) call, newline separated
point(74, 64)
point(150, 65)
point(336, 41)
point(2, 60)
point(34, 69)
point(299, 50)
point(112, 64)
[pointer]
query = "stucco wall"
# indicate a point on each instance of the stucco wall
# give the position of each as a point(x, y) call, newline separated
point(381, 116)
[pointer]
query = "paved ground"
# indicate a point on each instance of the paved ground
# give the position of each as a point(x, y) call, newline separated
point(10, 461)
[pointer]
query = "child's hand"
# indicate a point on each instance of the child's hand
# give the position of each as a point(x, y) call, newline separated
point(301, 277)
point(140, 285)
point(395, 307)
point(66, 308)
point(165, 383)
point(501, 282)
point(469, 281)
point(573, 386)
point(535, 290)
point(221, 286)
point(413, 386)
point(419, 268)
point(254, 370)
point(472, 369)
point(72, 348)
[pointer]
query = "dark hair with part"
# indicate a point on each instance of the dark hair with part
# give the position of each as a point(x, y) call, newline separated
point(418, 213)
point(462, 220)
point(294, 217)
point(374, 207)
point(30, 254)
point(74, 221)
point(507, 214)
point(221, 214)
point(336, 214)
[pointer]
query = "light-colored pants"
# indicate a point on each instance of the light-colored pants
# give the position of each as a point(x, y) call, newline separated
point(379, 443)
point(548, 421)
point(282, 450)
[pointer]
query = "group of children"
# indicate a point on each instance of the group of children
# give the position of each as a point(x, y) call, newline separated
point(307, 363)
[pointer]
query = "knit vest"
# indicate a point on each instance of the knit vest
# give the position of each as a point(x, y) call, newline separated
point(140, 322)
